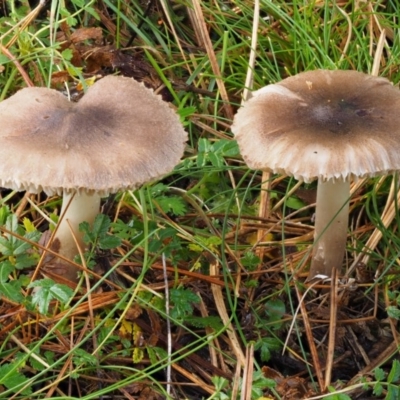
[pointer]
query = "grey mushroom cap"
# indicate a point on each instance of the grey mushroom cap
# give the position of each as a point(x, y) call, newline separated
point(119, 136)
point(322, 125)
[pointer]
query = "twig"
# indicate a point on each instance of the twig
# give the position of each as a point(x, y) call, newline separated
point(332, 328)
point(248, 374)
point(378, 53)
point(24, 75)
point(264, 210)
point(172, 27)
point(248, 85)
point(213, 59)
point(349, 33)
point(23, 24)
point(310, 338)
point(169, 338)
point(220, 304)
point(29, 352)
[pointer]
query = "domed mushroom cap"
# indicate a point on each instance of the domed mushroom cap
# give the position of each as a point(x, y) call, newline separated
point(322, 124)
point(119, 136)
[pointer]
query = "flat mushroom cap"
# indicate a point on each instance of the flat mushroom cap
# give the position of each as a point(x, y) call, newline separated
point(119, 136)
point(322, 125)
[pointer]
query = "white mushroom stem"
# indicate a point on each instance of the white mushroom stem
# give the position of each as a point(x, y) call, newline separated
point(331, 221)
point(76, 208)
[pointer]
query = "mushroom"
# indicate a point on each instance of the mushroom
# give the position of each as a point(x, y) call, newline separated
point(327, 125)
point(117, 137)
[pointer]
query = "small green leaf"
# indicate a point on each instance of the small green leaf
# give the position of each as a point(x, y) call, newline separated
point(212, 322)
point(4, 59)
point(378, 389)
point(336, 396)
point(47, 291)
point(275, 310)
point(61, 292)
point(101, 225)
point(98, 235)
point(10, 289)
point(156, 354)
point(28, 225)
point(88, 235)
point(394, 373)
point(172, 204)
point(185, 112)
point(201, 160)
point(261, 382)
point(4, 213)
point(67, 54)
point(10, 245)
point(266, 345)
point(26, 260)
point(50, 356)
point(158, 303)
point(393, 312)
point(6, 268)
point(216, 159)
point(231, 149)
point(37, 365)
point(13, 380)
point(158, 189)
point(70, 20)
point(195, 247)
point(295, 203)
point(82, 357)
point(204, 145)
point(209, 243)
point(109, 242)
point(182, 299)
point(220, 383)
point(93, 13)
point(5, 247)
point(393, 392)
point(226, 148)
point(250, 260)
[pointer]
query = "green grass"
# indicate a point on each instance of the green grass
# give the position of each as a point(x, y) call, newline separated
point(110, 337)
